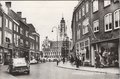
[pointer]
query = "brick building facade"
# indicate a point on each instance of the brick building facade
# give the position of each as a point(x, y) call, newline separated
point(95, 28)
point(14, 40)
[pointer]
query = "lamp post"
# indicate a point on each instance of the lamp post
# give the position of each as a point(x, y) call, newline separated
point(56, 37)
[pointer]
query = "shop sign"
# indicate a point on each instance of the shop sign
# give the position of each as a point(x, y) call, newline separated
point(107, 36)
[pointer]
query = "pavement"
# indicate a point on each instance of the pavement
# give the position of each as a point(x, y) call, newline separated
point(68, 65)
point(4, 73)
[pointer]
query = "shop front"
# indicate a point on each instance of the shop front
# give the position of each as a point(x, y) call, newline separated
point(83, 51)
point(1, 56)
point(7, 56)
point(106, 53)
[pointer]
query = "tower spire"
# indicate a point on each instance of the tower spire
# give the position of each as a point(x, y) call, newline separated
point(62, 15)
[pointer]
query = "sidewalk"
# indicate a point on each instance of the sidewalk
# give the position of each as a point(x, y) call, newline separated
point(4, 73)
point(90, 69)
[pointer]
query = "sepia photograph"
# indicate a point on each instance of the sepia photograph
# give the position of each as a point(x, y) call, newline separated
point(59, 39)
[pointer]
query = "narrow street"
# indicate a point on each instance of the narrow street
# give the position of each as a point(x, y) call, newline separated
point(51, 71)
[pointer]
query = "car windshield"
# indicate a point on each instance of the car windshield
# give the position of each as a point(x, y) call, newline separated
point(19, 62)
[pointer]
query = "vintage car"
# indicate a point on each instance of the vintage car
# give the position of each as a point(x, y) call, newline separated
point(33, 61)
point(19, 65)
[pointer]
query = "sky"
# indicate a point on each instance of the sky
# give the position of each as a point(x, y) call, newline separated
point(44, 15)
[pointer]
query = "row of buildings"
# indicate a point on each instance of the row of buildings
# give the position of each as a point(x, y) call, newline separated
point(17, 37)
point(95, 29)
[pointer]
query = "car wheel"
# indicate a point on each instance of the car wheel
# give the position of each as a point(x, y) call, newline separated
point(28, 72)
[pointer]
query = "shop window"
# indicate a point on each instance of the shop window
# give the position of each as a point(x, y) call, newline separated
point(117, 19)
point(0, 37)
point(96, 25)
point(0, 21)
point(95, 5)
point(107, 3)
point(87, 52)
point(0, 58)
point(108, 22)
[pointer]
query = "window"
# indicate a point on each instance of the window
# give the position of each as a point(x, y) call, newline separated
point(15, 39)
point(8, 36)
point(21, 31)
point(37, 39)
point(95, 5)
point(10, 25)
point(21, 42)
point(81, 45)
point(80, 14)
point(26, 33)
point(96, 26)
point(108, 22)
point(85, 26)
point(78, 31)
point(76, 16)
point(18, 37)
point(77, 48)
point(36, 46)
point(26, 43)
point(16, 27)
point(0, 37)
point(0, 21)
point(117, 19)
point(6, 23)
point(83, 11)
point(107, 2)
point(87, 7)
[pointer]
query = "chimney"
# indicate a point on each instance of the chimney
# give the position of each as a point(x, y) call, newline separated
point(24, 20)
point(19, 14)
point(8, 5)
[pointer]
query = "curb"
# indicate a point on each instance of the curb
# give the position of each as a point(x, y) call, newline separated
point(88, 70)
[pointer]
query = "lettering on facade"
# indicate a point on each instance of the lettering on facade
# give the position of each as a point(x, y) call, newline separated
point(107, 36)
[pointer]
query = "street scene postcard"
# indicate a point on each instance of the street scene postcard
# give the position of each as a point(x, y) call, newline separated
point(60, 39)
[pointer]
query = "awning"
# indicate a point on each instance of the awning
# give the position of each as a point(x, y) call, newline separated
point(108, 45)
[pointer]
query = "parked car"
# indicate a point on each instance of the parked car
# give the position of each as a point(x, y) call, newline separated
point(33, 61)
point(19, 65)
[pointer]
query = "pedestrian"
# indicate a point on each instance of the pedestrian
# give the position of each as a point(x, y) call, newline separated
point(77, 62)
point(63, 60)
point(97, 60)
point(57, 62)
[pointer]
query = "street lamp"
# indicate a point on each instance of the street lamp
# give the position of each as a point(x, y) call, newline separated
point(56, 37)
